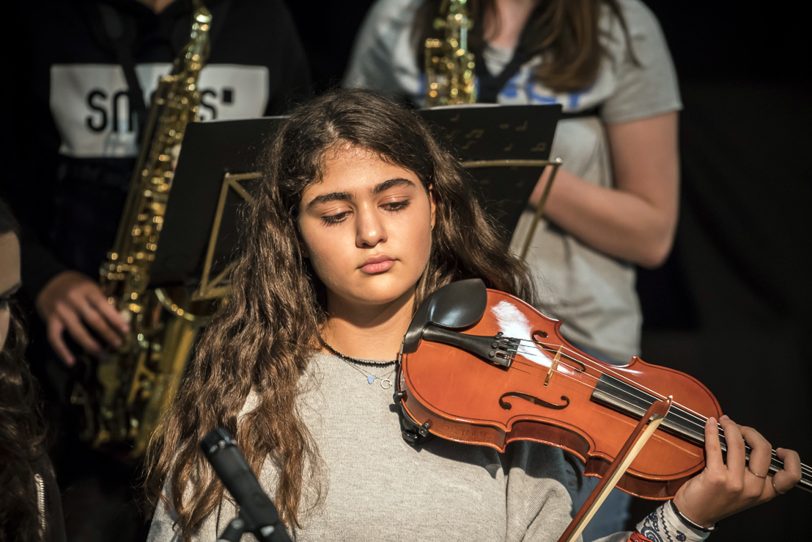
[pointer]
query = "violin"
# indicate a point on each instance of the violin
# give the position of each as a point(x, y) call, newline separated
point(480, 366)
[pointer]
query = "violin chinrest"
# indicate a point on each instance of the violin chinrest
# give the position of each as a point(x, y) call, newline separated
point(457, 305)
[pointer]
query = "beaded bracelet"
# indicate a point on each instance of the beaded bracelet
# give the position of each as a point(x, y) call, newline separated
point(690, 523)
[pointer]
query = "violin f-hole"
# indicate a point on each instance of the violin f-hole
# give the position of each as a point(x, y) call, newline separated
point(535, 400)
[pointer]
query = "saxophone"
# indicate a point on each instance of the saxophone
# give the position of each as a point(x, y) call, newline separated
point(449, 64)
point(122, 395)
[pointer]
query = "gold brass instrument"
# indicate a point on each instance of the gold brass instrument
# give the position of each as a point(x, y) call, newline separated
point(449, 64)
point(122, 395)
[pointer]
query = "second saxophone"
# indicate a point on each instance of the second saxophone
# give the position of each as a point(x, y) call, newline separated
point(449, 62)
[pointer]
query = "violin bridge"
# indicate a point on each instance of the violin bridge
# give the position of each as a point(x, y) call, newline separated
point(503, 349)
point(553, 366)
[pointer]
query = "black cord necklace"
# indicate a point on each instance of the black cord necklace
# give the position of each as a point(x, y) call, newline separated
point(357, 361)
point(384, 380)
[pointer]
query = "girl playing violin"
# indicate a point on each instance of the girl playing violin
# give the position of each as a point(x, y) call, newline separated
point(363, 215)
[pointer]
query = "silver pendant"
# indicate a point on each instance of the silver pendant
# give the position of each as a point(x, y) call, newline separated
point(386, 383)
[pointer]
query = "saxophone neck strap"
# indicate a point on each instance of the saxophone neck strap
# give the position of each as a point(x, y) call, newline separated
point(117, 30)
point(120, 33)
point(489, 85)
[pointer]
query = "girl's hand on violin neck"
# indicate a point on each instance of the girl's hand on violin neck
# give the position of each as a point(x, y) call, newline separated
point(729, 485)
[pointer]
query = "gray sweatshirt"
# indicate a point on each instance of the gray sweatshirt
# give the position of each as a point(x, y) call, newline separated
point(380, 488)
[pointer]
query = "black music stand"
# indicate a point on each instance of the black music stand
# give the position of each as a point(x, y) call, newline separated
point(218, 167)
point(504, 147)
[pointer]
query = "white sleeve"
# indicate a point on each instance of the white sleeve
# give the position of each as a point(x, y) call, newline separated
point(382, 58)
point(650, 87)
point(162, 527)
point(538, 492)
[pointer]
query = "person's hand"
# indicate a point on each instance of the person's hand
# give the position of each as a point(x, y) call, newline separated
point(730, 485)
point(72, 301)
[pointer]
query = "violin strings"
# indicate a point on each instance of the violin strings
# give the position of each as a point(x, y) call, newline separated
point(578, 358)
point(679, 415)
point(680, 411)
point(690, 420)
point(675, 409)
point(586, 361)
point(677, 412)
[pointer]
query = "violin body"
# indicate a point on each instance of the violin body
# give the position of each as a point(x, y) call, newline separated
point(532, 384)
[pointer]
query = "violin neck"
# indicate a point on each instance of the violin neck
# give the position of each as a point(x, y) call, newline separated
point(631, 400)
point(776, 465)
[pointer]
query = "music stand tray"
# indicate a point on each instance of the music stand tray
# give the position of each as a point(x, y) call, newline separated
point(504, 147)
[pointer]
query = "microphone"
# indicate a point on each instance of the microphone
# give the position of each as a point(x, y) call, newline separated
point(256, 509)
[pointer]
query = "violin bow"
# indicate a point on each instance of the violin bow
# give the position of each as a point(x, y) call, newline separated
point(642, 432)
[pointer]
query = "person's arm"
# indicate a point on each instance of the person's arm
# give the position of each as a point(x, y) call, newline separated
point(636, 219)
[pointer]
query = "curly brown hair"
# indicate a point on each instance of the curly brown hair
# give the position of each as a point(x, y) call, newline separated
point(22, 430)
point(266, 331)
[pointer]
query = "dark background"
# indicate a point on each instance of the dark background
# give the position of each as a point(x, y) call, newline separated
point(731, 306)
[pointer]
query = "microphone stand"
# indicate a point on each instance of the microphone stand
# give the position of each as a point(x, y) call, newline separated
point(233, 531)
point(257, 513)
point(237, 527)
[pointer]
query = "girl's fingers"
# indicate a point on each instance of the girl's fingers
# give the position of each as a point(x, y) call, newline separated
point(758, 464)
point(790, 475)
point(713, 448)
point(735, 459)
